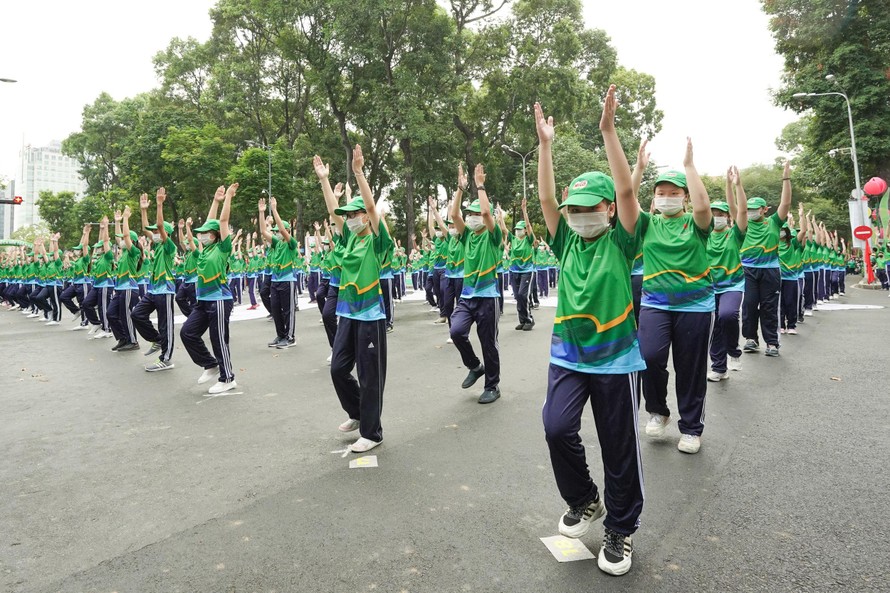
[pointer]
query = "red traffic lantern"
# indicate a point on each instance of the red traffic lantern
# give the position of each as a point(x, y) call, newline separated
point(875, 186)
point(17, 200)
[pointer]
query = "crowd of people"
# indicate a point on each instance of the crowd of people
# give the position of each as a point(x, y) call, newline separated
point(633, 289)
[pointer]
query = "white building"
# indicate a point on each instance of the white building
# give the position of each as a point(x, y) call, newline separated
point(43, 169)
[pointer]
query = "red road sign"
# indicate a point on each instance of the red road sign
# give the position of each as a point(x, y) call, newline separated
point(863, 232)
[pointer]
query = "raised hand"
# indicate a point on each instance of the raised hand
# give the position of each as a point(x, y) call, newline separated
point(461, 176)
point(546, 131)
point(610, 105)
point(220, 194)
point(117, 216)
point(348, 191)
point(321, 170)
point(316, 225)
point(687, 158)
point(338, 191)
point(127, 212)
point(786, 172)
point(358, 159)
point(524, 205)
point(565, 193)
point(432, 202)
point(273, 203)
point(143, 202)
point(104, 221)
point(734, 175)
point(643, 155)
point(231, 191)
point(86, 227)
point(181, 223)
point(479, 175)
point(261, 205)
point(188, 222)
point(161, 195)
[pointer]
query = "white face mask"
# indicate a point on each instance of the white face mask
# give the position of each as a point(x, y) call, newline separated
point(205, 239)
point(438, 234)
point(669, 205)
point(357, 225)
point(156, 237)
point(452, 232)
point(720, 222)
point(475, 222)
point(589, 224)
point(520, 233)
point(783, 234)
point(755, 214)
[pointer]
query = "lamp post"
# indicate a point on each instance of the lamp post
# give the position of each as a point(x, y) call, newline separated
point(524, 157)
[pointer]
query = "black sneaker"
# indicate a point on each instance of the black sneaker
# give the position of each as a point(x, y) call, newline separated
point(527, 327)
point(274, 343)
point(284, 344)
point(120, 344)
point(616, 553)
point(128, 347)
point(575, 522)
point(472, 377)
point(520, 327)
point(490, 395)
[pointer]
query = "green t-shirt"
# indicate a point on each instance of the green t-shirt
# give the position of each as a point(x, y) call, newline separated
point(212, 282)
point(726, 264)
point(454, 265)
point(761, 246)
point(80, 265)
point(190, 266)
point(360, 296)
point(595, 330)
point(281, 258)
point(127, 269)
point(521, 254)
point(791, 259)
point(440, 258)
point(336, 258)
point(676, 269)
point(102, 271)
point(482, 251)
point(161, 280)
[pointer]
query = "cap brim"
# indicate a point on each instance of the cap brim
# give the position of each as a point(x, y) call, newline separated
point(582, 200)
point(348, 208)
point(151, 227)
point(204, 229)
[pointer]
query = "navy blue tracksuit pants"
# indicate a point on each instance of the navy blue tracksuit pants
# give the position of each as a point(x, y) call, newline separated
point(386, 288)
point(788, 307)
point(438, 280)
point(725, 335)
point(521, 282)
point(97, 299)
point(361, 345)
point(453, 288)
point(614, 400)
point(484, 313)
point(685, 336)
point(186, 297)
point(761, 304)
point(163, 335)
point(282, 298)
point(120, 315)
point(74, 291)
point(809, 290)
point(329, 314)
point(212, 315)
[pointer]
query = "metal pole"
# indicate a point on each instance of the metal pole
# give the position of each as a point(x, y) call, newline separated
point(523, 178)
point(270, 170)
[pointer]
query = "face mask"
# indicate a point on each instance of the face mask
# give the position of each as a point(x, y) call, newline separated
point(205, 239)
point(720, 222)
point(783, 234)
point(669, 205)
point(475, 222)
point(156, 237)
point(438, 234)
point(520, 234)
point(755, 214)
point(589, 224)
point(357, 225)
point(452, 232)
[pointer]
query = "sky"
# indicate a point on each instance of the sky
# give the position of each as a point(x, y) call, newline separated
point(713, 63)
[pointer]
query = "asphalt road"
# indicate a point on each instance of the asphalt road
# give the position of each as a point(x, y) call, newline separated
point(116, 480)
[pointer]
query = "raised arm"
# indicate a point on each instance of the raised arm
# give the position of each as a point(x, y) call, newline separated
point(528, 222)
point(358, 163)
point(143, 213)
point(85, 238)
point(218, 198)
point(456, 214)
point(484, 203)
point(625, 198)
point(128, 242)
point(741, 220)
point(160, 197)
point(698, 195)
point(640, 167)
point(103, 234)
point(285, 234)
point(434, 208)
point(802, 233)
point(180, 229)
point(261, 220)
point(731, 176)
point(785, 203)
point(546, 179)
point(322, 171)
point(226, 211)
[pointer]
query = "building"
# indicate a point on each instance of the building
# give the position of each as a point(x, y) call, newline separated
point(43, 169)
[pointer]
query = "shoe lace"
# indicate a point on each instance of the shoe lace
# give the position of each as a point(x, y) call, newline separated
point(614, 543)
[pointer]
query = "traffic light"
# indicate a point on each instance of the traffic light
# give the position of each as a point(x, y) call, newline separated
point(17, 200)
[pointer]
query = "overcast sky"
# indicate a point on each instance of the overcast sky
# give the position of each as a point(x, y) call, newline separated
point(713, 63)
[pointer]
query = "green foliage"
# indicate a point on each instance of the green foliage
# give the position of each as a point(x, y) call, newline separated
point(31, 233)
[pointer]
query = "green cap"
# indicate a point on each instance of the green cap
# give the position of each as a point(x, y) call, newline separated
point(449, 221)
point(77, 247)
point(476, 207)
point(211, 224)
point(168, 227)
point(674, 177)
point(589, 190)
point(325, 241)
point(99, 244)
point(354, 205)
point(520, 225)
point(30, 254)
point(133, 236)
point(286, 225)
point(722, 206)
point(756, 203)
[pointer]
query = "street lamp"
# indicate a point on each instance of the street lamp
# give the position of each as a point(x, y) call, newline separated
point(509, 150)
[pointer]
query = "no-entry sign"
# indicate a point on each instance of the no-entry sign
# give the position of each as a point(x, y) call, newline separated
point(862, 232)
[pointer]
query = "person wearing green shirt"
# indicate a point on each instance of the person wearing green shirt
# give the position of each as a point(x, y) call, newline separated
point(95, 305)
point(791, 261)
point(438, 262)
point(49, 277)
point(236, 269)
point(677, 307)
point(213, 308)
point(594, 352)
point(161, 288)
point(185, 294)
point(282, 297)
point(453, 276)
point(254, 254)
point(522, 267)
point(360, 342)
point(126, 287)
point(728, 277)
point(481, 236)
point(78, 286)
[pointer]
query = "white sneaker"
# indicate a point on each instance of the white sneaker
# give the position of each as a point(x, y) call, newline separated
point(793, 331)
point(734, 364)
point(105, 335)
point(220, 387)
point(328, 359)
point(575, 522)
point(449, 341)
point(33, 315)
point(349, 426)
point(656, 425)
point(15, 308)
point(808, 313)
point(842, 294)
point(52, 323)
point(208, 374)
point(362, 445)
point(689, 443)
point(715, 377)
point(78, 327)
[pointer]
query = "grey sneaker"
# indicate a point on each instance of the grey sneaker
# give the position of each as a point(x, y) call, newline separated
point(751, 346)
point(575, 522)
point(155, 348)
point(490, 395)
point(772, 351)
point(615, 555)
point(160, 365)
